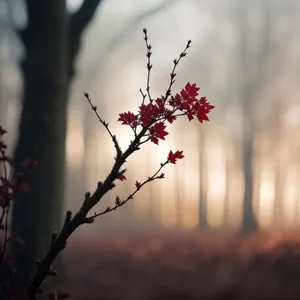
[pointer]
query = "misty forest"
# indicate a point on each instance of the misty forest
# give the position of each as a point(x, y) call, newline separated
point(224, 221)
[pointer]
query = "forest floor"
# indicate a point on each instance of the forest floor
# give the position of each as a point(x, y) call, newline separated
point(187, 265)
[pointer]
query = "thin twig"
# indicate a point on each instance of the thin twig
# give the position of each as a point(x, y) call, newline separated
point(173, 74)
point(113, 137)
point(121, 203)
point(149, 66)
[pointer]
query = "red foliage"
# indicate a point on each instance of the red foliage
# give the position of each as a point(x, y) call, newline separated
point(154, 114)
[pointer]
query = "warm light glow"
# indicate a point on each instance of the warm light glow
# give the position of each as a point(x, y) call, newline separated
point(216, 184)
point(266, 196)
point(290, 195)
point(74, 144)
point(291, 117)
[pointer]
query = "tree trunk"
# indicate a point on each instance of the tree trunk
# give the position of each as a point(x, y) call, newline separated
point(42, 133)
point(278, 203)
point(247, 93)
point(249, 220)
point(51, 41)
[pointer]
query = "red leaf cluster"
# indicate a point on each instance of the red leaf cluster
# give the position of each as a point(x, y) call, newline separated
point(157, 131)
point(154, 114)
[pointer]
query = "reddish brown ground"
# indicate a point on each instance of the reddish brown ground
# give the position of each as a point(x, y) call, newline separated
point(184, 265)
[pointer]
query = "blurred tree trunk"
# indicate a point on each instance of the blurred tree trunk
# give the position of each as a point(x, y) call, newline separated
point(276, 135)
point(253, 74)
point(249, 222)
point(278, 203)
point(51, 42)
point(5, 93)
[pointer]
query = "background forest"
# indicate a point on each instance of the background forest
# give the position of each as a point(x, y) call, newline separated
point(241, 169)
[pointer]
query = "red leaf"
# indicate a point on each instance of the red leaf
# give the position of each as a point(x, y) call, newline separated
point(171, 119)
point(190, 117)
point(157, 131)
point(154, 140)
point(172, 157)
point(122, 177)
point(190, 92)
point(128, 119)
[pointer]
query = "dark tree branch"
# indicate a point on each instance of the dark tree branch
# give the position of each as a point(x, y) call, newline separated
point(80, 218)
point(22, 33)
point(33, 16)
point(78, 22)
point(19, 32)
point(83, 16)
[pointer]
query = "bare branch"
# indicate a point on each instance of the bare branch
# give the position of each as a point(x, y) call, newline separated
point(113, 137)
point(71, 224)
point(119, 203)
point(119, 38)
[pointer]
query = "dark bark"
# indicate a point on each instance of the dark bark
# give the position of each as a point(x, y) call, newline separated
point(41, 133)
point(51, 46)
